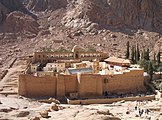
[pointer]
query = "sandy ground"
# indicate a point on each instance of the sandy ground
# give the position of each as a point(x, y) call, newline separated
point(14, 107)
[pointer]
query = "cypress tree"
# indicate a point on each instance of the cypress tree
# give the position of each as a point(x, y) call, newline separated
point(137, 53)
point(150, 69)
point(127, 52)
point(154, 57)
point(142, 54)
point(133, 55)
point(158, 58)
point(147, 54)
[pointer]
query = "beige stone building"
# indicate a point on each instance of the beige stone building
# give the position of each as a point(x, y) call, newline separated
point(34, 67)
point(118, 61)
point(57, 67)
point(79, 65)
point(50, 57)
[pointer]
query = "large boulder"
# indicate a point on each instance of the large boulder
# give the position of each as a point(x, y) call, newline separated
point(23, 114)
point(54, 107)
point(44, 114)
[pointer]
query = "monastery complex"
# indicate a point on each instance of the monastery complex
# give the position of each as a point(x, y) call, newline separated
point(79, 74)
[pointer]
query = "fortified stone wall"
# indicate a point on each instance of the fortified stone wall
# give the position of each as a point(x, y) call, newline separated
point(86, 85)
point(71, 84)
point(128, 82)
point(90, 85)
point(37, 86)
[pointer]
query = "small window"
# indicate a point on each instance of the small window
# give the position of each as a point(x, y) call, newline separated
point(105, 80)
point(39, 56)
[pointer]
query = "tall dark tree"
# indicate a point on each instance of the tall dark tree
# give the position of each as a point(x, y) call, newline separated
point(127, 52)
point(150, 69)
point(147, 54)
point(137, 53)
point(158, 58)
point(154, 57)
point(133, 54)
point(142, 54)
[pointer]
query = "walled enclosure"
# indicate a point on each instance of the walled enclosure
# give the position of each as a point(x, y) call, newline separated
point(86, 85)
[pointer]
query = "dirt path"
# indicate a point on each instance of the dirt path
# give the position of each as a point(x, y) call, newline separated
point(10, 82)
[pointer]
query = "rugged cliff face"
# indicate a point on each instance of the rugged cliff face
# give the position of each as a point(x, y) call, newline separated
point(81, 14)
point(146, 14)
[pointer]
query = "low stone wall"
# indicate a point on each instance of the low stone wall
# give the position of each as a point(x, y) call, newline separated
point(111, 100)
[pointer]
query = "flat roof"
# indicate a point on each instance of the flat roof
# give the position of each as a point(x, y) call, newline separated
point(80, 70)
point(117, 60)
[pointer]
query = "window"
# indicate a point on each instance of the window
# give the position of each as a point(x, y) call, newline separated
point(39, 56)
point(105, 80)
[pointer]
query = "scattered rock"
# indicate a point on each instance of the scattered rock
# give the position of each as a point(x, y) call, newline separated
point(6, 110)
point(105, 112)
point(17, 50)
point(78, 33)
point(23, 114)
point(20, 97)
point(44, 114)
point(54, 107)
point(113, 36)
point(50, 100)
point(35, 118)
point(98, 44)
point(44, 32)
point(1, 89)
point(155, 109)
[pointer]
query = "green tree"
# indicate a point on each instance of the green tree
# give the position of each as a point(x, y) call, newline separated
point(127, 52)
point(150, 69)
point(154, 57)
point(142, 54)
point(133, 54)
point(147, 54)
point(137, 53)
point(158, 58)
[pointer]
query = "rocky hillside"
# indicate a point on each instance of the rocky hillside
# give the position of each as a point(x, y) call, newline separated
point(105, 25)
